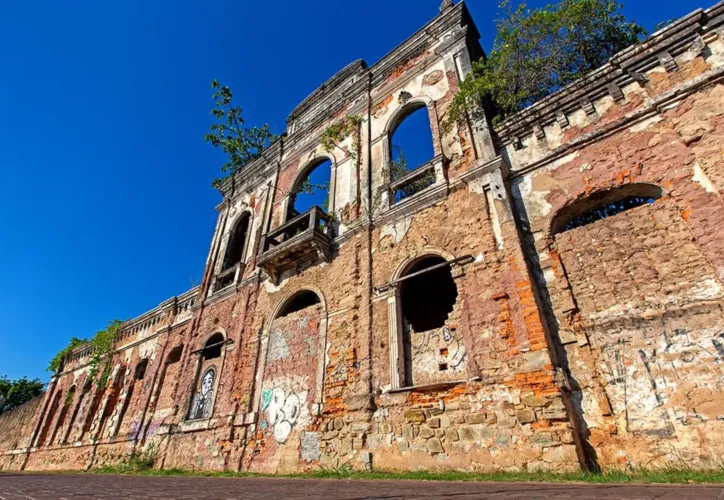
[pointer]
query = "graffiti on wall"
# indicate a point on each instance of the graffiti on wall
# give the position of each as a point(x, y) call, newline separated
point(201, 406)
point(284, 402)
point(437, 354)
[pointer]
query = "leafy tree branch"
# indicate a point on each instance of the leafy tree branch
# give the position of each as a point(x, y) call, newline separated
point(240, 144)
point(539, 51)
point(14, 393)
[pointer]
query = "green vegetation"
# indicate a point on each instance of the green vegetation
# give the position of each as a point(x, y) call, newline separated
point(100, 363)
point(334, 135)
point(667, 476)
point(14, 393)
point(539, 51)
point(240, 144)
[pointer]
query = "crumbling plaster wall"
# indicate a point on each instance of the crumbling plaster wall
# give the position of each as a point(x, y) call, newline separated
point(635, 299)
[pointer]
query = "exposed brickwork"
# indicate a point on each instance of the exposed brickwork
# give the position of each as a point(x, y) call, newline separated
point(597, 346)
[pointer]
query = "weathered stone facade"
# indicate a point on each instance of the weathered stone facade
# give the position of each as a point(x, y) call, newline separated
point(486, 322)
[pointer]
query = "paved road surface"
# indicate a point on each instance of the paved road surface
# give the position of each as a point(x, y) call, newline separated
point(42, 487)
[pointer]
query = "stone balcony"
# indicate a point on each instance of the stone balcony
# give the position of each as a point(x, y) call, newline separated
point(307, 237)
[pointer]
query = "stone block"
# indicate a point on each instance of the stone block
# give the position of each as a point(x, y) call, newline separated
point(338, 423)
point(434, 423)
point(468, 433)
point(536, 401)
point(506, 422)
point(542, 438)
point(434, 446)
point(452, 435)
point(475, 418)
point(426, 432)
point(415, 416)
point(561, 454)
point(525, 416)
point(403, 444)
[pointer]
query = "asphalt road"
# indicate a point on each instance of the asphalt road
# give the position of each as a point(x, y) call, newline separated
point(37, 486)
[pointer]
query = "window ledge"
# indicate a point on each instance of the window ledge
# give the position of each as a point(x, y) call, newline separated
point(431, 386)
point(195, 425)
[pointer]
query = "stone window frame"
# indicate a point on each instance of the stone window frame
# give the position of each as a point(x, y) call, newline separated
point(315, 160)
point(398, 117)
point(238, 268)
point(219, 366)
point(395, 318)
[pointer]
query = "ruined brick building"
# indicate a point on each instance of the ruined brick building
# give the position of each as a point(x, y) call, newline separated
point(548, 297)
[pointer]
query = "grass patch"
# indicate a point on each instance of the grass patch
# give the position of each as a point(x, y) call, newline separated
point(672, 476)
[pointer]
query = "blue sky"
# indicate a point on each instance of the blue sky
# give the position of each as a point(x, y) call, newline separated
point(106, 205)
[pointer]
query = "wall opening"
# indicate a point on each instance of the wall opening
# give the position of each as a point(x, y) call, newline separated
point(301, 300)
point(432, 349)
point(599, 206)
point(411, 149)
point(212, 348)
point(237, 242)
point(203, 399)
point(141, 368)
point(311, 189)
point(428, 298)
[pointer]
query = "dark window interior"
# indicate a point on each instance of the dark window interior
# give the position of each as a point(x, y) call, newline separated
point(141, 369)
point(300, 301)
point(429, 298)
point(213, 346)
point(235, 248)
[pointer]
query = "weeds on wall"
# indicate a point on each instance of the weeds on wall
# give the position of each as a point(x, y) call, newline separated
point(334, 135)
point(102, 346)
point(240, 144)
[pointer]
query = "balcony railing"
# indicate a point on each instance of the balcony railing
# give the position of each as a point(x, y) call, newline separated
point(306, 236)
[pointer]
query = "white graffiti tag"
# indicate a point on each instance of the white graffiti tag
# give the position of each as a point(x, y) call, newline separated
point(283, 413)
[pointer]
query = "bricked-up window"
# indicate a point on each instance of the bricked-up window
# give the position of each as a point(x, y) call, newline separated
point(602, 205)
point(311, 188)
point(411, 149)
point(429, 297)
point(202, 402)
point(301, 300)
point(237, 242)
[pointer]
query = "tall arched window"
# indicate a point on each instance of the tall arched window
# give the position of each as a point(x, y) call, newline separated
point(411, 149)
point(312, 188)
point(431, 349)
point(237, 242)
point(202, 402)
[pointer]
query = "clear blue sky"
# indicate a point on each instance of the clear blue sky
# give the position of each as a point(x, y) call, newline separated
point(106, 207)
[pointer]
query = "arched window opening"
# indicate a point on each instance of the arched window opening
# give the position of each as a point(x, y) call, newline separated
point(428, 298)
point(112, 401)
point(312, 189)
point(212, 348)
point(602, 205)
point(141, 367)
point(411, 150)
point(300, 301)
point(237, 242)
point(433, 350)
